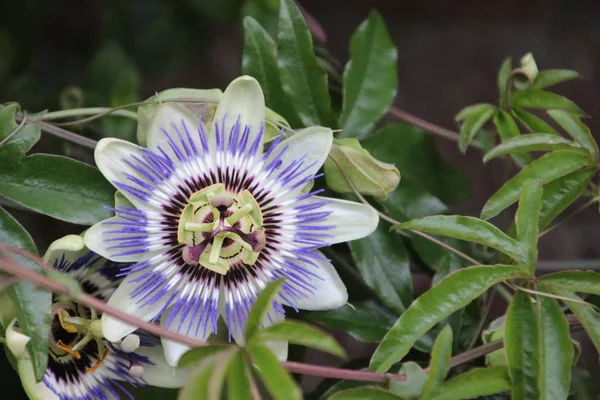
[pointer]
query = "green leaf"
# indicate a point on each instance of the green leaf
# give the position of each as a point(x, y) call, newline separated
point(415, 155)
point(304, 81)
point(588, 317)
point(532, 122)
point(452, 293)
point(562, 192)
point(440, 362)
point(57, 186)
point(521, 344)
point(556, 350)
point(31, 303)
point(472, 124)
point(503, 74)
point(366, 321)
point(470, 229)
point(239, 379)
point(508, 129)
point(573, 126)
point(526, 220)
point(383, 263)
point(370, 80)
point(413, 385)
point(472, 110)
point(197, 354)
point(474, 383)
point(260, 61)
point(277, 380)
point(546, 169)
point(27, 136)
point(533, 142)
point(551, 77)
point(540, 99)
point(574, 281)
point(261, 307)
point(365, 393)
point(301, 334)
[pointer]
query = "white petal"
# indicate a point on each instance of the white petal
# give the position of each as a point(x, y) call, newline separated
point(330, 291)
point(161, 374)
point(17, 342)
point(34, 390)
point(174, 350)
point(113, 328)
point(109, 156)
point(350, 220)
point(96, 237)
point(172, 118)
point(242, 99)
point(71, 247)
point(313, 144)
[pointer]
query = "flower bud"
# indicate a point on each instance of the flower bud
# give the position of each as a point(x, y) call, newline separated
point(368, 175)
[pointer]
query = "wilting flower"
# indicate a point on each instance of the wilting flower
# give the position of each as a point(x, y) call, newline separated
point(81, 363)
point(213, 218)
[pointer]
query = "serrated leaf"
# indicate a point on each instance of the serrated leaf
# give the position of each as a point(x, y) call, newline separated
point(526, 220)
point(472, 124)
point(32, 304)
point(412, 386)
point(540, 99)
point(303, 80)
point(370, 80)
point(57, 186)
point(365, 393)
point(508, 129)
point(521, 344)
point(470, 229)
point(474, 383)
point(533, 123)
point(301, 334)
point(551, 77)
point(452, 293)
point(383, 262)
point(556, 350)
point(577, 130)
point(261, 307)
point(440, 362)
point(260, 61)
point(561, 193)
point(277, 380)
point(574, 281)
point(589, 318)
point(533, 142)
point(546, 169)
point(27, 136)
point(239, 384)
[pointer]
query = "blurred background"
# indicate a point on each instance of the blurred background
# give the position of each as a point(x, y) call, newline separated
point(65, 54)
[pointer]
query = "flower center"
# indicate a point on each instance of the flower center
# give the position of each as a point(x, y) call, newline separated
point(220, 228)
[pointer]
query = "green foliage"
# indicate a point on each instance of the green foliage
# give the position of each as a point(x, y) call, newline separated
point(370, 80)
point(32, 305)
point(440, 363)
point(474, 383)
point(22, 140)
point(413, 384)
point(279, 383)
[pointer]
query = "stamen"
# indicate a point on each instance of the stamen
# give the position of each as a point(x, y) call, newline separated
point(99, 361)
point(192, 226)
point(215, 251)
point(62, 316)
point(67, 349)
point(79, 345)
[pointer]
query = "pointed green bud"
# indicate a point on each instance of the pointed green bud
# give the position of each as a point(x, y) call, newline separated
point(368, 175)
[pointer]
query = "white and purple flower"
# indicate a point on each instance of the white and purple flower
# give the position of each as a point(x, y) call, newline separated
point(81, 363)
point(211, 218)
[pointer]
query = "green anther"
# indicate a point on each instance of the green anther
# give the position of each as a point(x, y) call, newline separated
point(239, 214)
point(220, 267)
point(192, 226)
point(215, 251)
